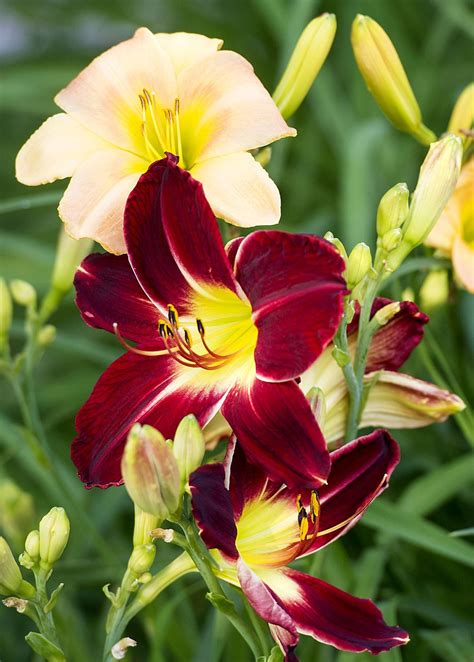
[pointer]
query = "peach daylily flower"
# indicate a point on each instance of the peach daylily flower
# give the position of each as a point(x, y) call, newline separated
point(453, 234)
point(146, 96)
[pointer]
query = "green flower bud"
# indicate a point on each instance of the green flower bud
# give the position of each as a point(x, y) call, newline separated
point(6, 313)
point(358, 264)
point(11, 580)
point(32, 545)
point(305, 63)
point(386, 79)
point(393, 209)
point(391, 239)
point(150, 472)
point(23, 293)
point(437, 181)
point(462, 117)
point(17, 513)
point(337, 243)
point(46, 335)
point(69, 254)
point(142, 559)
point(188, 447)
point(53, 536)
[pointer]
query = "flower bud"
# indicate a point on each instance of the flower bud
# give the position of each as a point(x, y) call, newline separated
point(17, 512)
point(435, 290)
point(386, 79)
point(388, 312)
point(53, 536)
point(6, 313)
point(150, 472)
point(337, 243)
point(305, 63)
point(393, 209)
point(437, 180)
point(462, 117)
point(23, 293)
point(188, 447)
point(69, 254)
point(46, 335)
point(142, 559)
point(391, 239)
point(11, 581)
point(32, 545)
point(358, 264)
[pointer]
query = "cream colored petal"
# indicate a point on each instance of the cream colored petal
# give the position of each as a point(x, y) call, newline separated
point(239, 190)
point(104, 96)
point(443, 233)
point(55, 150)
point(186, 48)
point(463, 263)
point(224, 109)
point(94, 202)
point(400, 401)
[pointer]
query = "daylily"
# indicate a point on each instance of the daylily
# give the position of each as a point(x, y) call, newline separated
point(256, 527)
point(146, 96)
point(453, 234)
point(395, 400)
point(215, 330)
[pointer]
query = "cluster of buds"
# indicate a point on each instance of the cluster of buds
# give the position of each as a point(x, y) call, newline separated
point(45, 546)
point(358, 264)
point(156, 471)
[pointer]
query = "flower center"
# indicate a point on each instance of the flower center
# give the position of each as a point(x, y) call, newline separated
point(160, 128)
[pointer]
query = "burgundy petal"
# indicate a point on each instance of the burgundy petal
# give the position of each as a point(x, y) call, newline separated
point(333, 616)
point(268, 607)
point(295, 285)
point(278, 431)
point(360, 471)
point(231, 249)
point(212, 508)
point(148, 250)
point(393, 343)
point(107, 292)
point(135, 389)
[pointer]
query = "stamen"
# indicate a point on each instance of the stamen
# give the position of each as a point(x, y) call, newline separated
point(314, 506)
point(187, 338)
point(178, 131)
point(200, 327)
point(302, 518)
point(173, 315)
point(135, 350)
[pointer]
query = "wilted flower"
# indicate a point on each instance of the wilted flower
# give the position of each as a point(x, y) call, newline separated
point(149, 95)
point(215, 329)
point(257, 527)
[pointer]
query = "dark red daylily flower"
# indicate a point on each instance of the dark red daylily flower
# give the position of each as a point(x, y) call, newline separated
point(213, 331)
point(255, 527)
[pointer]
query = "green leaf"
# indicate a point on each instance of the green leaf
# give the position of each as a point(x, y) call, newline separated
point(44, 647)
point(389, 518)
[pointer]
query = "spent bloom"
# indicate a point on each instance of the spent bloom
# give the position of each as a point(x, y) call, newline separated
point(215, 329)
point(152, 94)
point(256, 527)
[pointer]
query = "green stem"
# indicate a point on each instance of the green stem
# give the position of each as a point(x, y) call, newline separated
point(46, 621)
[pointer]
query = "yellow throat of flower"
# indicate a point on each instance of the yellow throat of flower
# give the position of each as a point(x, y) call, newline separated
point(160, 128)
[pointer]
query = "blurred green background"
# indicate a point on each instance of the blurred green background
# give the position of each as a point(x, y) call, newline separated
point(331, 177)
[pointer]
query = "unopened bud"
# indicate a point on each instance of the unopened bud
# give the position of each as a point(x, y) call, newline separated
point(46, 335)
point(23, 293)
point(393, 209)
point(388, 312)
point(119, 650)
point(386, 79)
point(32, 545)
point(53, 536)
point(11, 580)
point(69, 254)
point(305, 63)
point(437, 181)
point(188, 447)
point(151, 472)
point(462, 117)
point(391, 239)
point(264, 156)
point(142, 559)
point(435, 290)
point(337, 243)
point(6, 313)
point(358, 264)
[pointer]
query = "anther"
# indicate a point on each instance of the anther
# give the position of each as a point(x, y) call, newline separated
point(162, 329)
point(172, 315)
point(187, 337)
point(314, 506)
point(200, 327)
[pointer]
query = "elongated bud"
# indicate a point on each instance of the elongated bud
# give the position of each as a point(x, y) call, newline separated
point(462, 117)
point(436, 183)
point(11, 581)
point(358, 264)
point(69, 254)
point(23, 293)
point(305, 63)
point(151, 472)
point(337, 243)
point(53, 536)
point(188, 446)
point(435, 290)
point(143, 526)
point(6, 313)
point(386, 79)
point(142, 559)
point(393, 209)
